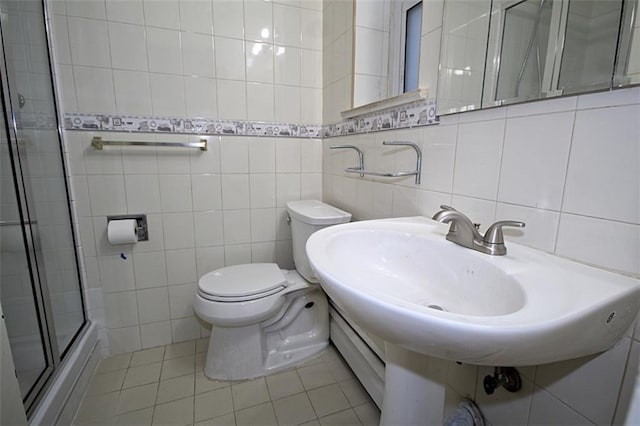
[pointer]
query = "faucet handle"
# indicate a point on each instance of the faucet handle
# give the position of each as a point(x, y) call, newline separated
point(445, 207)
point(494, 232)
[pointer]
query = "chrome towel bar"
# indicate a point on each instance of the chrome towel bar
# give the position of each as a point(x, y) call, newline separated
point(360, 155)
point(382, 174)
point(98, 143)
point(361, 170)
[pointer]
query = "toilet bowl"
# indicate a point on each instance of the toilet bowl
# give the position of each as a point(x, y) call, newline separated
point(264, 319)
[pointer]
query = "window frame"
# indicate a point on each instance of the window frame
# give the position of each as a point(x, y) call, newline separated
point(397, 59)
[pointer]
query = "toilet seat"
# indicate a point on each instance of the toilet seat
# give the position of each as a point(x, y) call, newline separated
point(242, 283)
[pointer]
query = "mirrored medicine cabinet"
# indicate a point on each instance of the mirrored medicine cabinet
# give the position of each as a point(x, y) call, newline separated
point(502, 52)
point(534, 49)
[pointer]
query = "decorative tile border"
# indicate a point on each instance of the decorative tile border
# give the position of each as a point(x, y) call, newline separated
point(197, 126)
point(414, 114)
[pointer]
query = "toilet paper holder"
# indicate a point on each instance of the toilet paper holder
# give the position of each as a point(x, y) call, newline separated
point(142, 231)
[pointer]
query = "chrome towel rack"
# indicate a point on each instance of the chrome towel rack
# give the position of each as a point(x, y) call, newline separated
point(361, 170)
point(358, 150)
point(98, 143)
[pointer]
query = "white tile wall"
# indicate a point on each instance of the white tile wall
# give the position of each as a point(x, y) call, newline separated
point(259, 62)
point(478, 155)
point(197, 55)
point(181, 266)
point(210, 228)
point(161, 13)
point(128, 46)
point(612, 195)
point(132, 91)
point(547, 410)
point(153, 305)
point(572, 382)
point(155, 334)
point(197, 16)
point(89, 41)
point(149, 269)
point(628, 400)
point(337, 62)
point(167, 95)
point(230, 58)
point(260, 101)
point(91, 91)
point(131, 12)
point(192, 57)
point(205, 210)
point(530, 142)
point(164, 44)
point(601, 242)
point(202, 58)
point(287, 65)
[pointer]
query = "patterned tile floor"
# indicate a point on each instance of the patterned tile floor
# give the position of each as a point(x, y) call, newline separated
point(166, 386)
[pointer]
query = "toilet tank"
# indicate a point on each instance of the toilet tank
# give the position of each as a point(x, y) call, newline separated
point(307, 217)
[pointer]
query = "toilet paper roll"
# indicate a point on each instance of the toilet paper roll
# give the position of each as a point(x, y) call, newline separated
point(122, 231)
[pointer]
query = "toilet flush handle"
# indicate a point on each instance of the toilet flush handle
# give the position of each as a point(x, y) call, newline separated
point(288, 219)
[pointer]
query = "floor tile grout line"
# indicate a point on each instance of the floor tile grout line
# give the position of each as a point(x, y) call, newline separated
point(195, 369)
point(330, 359)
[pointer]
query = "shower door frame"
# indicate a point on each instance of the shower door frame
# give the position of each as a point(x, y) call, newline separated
point(53, 356)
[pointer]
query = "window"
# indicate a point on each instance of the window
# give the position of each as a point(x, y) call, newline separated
point(412, 25)
point(404, 46)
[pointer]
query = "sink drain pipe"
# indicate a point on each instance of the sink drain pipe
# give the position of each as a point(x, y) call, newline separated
point(467, 414)
point(507, 377)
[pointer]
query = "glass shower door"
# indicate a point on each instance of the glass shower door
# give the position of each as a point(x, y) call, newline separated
point(33, 110)
point(40, 282)
point(21, 301)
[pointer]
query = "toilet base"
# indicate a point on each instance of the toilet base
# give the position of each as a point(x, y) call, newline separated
point(298, 332)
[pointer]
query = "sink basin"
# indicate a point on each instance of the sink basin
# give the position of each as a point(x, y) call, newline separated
point(412, 268)
point(402, 280)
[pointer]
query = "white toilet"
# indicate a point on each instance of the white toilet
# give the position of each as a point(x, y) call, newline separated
point(263, 318)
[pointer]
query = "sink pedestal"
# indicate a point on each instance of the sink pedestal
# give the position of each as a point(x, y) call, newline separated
point(414, 392)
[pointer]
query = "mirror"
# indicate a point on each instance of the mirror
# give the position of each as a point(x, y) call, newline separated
point(499, 52)
point(465, 31)
point(534, 49)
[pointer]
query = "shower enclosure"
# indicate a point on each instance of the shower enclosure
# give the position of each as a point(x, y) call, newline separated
point(40, 287)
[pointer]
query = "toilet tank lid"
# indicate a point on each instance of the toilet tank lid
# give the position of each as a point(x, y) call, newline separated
point(242, 280)
point(316, 212)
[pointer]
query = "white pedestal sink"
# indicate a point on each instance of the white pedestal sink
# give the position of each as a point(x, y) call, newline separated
point(401, 280)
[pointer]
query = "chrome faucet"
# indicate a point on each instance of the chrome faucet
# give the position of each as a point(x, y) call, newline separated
point(465, 233)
